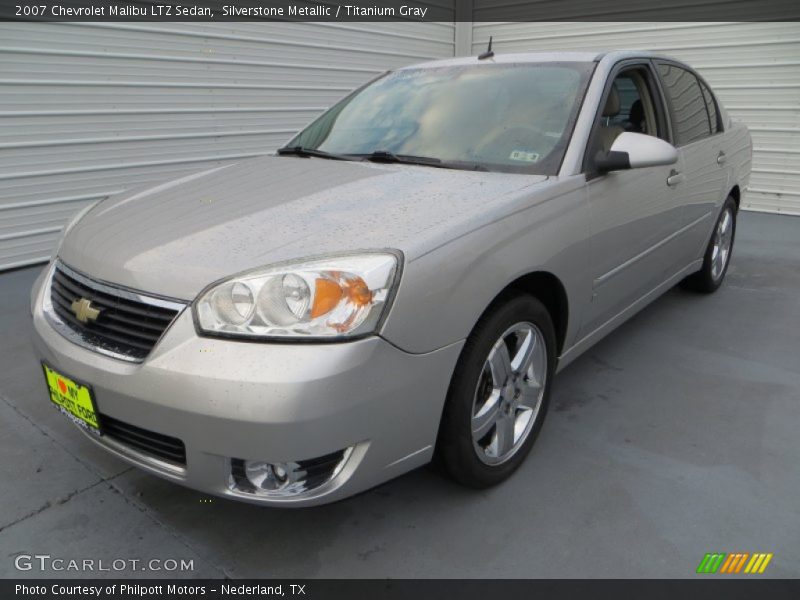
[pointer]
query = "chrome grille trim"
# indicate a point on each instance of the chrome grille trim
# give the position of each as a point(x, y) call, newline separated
point(110, 344)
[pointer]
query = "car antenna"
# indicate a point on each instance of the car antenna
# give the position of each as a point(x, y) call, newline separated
point(489, 52)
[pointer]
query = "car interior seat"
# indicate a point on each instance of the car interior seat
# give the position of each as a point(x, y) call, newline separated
point(608, 133)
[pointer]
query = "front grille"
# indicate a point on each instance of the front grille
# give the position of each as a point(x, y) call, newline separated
point(128, 325)
point(161, 446)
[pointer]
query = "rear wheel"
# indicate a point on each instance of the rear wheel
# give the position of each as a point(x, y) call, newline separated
point(718, 252)
point(499, 393)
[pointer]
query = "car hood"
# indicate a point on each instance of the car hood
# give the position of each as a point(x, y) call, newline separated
point(176, 238)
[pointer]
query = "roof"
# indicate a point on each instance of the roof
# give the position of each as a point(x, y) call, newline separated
point(539, 57)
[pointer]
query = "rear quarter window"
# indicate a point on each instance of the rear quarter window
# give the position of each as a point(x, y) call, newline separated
point(711, 106)
point(689, 112)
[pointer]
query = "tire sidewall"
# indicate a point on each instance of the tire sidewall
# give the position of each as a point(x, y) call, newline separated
point(712, 283)
point(455, 449)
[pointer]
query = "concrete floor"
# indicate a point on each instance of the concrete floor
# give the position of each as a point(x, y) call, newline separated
point(675, 436)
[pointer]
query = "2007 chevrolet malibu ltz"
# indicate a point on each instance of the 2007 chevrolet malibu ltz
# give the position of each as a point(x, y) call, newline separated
point(400, 283)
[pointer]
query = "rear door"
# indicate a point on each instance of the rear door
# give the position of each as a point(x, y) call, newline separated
point(697, 133)
point(633, 211)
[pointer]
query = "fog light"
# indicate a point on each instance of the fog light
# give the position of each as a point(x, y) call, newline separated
point(266, 476)
point(262, 478)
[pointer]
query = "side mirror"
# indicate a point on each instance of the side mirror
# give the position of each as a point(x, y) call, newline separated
point(635, 151)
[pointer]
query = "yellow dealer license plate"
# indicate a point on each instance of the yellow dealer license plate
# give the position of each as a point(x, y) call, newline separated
point(73, 399)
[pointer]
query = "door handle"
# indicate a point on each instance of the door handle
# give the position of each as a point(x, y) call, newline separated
point(721, 158)
point(675, 178)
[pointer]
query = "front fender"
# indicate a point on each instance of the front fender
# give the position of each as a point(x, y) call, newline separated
point(444, 291)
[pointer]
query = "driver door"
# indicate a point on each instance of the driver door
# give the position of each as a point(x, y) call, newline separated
point(633, 211)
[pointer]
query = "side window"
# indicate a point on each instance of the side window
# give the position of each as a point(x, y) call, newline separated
point(689, 113)
point(711, 106)
point(629, 106)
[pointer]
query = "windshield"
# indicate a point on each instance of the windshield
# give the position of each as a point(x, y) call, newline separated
point(511, 118)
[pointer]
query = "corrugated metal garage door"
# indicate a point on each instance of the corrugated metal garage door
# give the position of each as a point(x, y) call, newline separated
point(754, 68)
point(90, 109)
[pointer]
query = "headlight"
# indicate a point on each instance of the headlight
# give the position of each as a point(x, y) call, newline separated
point(341, 296)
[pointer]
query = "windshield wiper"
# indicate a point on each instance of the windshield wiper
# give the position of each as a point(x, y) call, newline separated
point(306, 152)
point(425, 161)
point(382, 156)
point(391, 157)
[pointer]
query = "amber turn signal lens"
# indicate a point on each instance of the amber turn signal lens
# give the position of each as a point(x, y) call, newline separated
point(329, 293)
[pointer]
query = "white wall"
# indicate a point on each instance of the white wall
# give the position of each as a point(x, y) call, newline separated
point(753, 67)
point(90, 109)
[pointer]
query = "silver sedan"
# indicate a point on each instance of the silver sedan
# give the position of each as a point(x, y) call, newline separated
point(399, 284)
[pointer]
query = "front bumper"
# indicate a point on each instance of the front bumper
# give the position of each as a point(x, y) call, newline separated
point(271, 402)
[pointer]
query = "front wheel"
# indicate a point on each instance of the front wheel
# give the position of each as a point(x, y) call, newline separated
point(499, 394)
point(718, 252)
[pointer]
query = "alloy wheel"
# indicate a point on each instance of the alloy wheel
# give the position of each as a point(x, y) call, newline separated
point(723, 239)
point(509, 393)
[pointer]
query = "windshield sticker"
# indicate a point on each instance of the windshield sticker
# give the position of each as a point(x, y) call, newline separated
point(524, 156)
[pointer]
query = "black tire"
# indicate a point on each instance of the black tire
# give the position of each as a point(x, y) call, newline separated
point(708, 278)
point(456, 452)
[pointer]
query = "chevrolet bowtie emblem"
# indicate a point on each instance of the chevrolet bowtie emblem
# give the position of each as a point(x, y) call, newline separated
point(84, 311)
